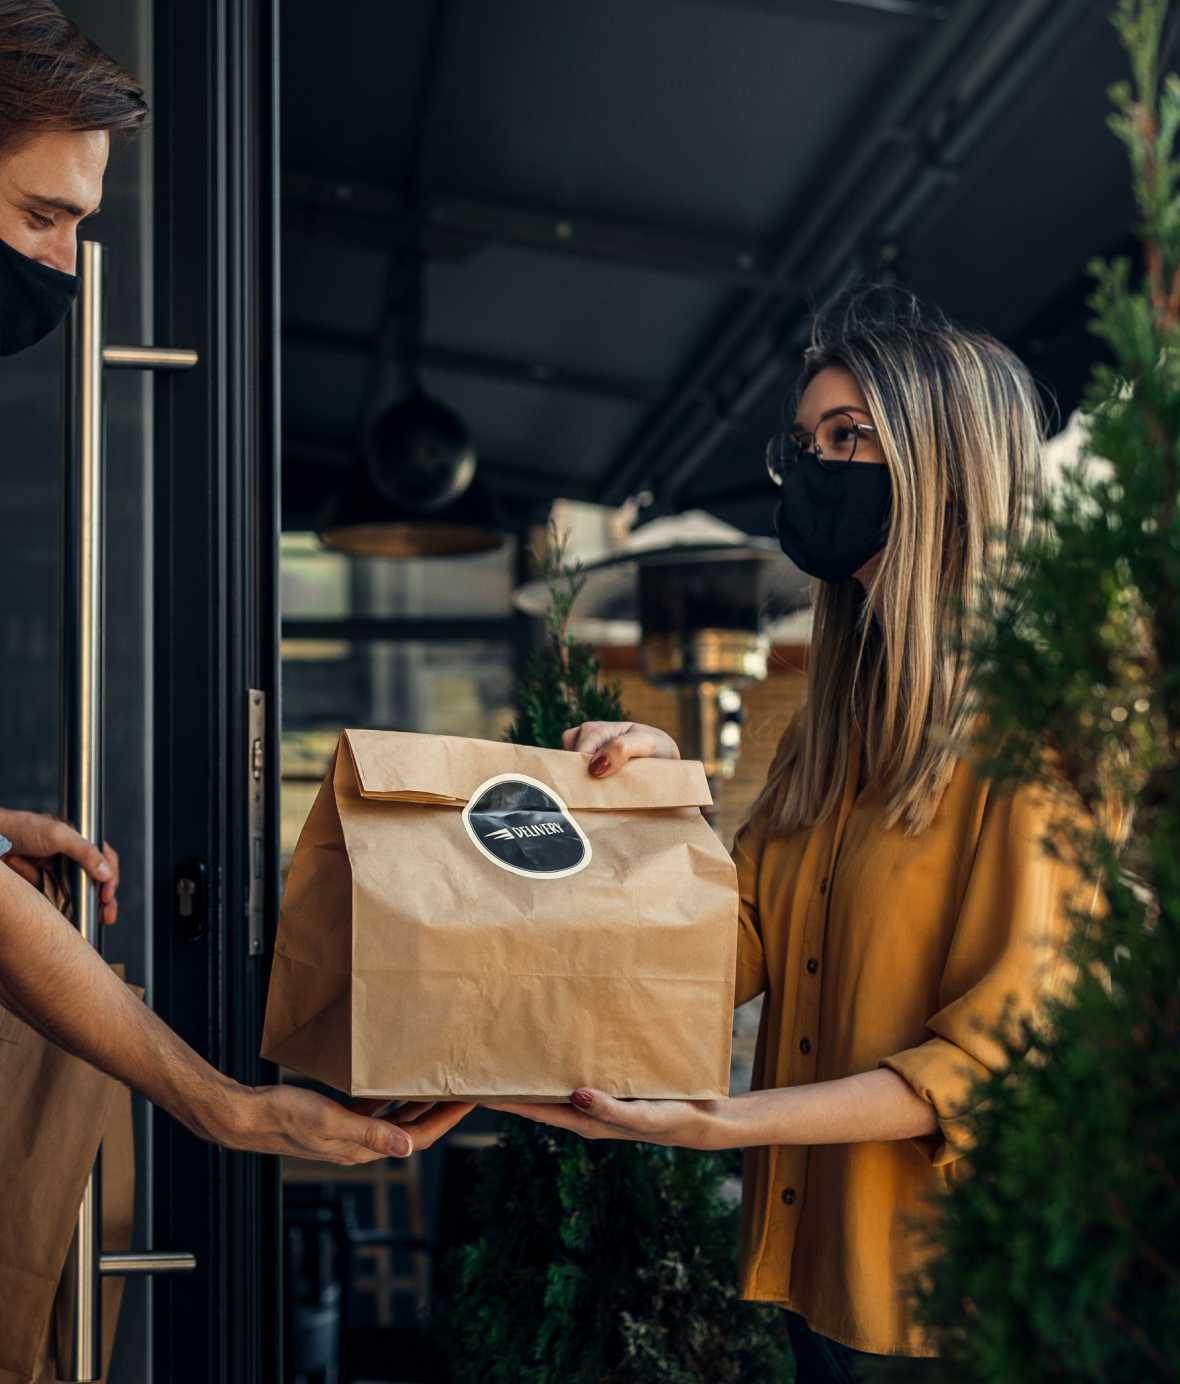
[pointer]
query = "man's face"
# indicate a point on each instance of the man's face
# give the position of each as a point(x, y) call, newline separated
point(48, 185)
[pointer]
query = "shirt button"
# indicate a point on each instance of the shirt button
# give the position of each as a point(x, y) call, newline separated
point(812, 965)
point(804, 1045)
point(788, 1196)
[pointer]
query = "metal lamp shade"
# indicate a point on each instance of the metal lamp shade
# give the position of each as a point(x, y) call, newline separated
point(358, 519)
point(419, 454)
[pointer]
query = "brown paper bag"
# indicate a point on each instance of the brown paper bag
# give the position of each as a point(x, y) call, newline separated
point(57, 1109)
point(118, 1223)
point(470, 918)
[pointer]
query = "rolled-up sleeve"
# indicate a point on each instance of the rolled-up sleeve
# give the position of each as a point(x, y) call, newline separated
point(1008, 955)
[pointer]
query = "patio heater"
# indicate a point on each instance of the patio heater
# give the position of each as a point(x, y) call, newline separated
point(698, 597)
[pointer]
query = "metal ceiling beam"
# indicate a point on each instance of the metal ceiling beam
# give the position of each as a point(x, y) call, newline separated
point(897, 168)
point(700, 254)
point(536, 374)
point(927, 11)
point(456, 227)
point(906, 9)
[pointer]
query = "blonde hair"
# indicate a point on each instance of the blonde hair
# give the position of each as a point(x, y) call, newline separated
point(961, 428)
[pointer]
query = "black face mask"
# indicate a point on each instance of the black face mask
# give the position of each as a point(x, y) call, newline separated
point(33, 299)
point(832, 519)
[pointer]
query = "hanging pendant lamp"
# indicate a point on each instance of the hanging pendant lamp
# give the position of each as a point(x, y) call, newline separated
point(359, 519)
point(414, 491)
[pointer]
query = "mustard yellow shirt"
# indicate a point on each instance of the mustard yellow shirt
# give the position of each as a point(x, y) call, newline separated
point(878, 949)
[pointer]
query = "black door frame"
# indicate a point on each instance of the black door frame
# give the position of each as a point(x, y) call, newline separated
point(216, 477)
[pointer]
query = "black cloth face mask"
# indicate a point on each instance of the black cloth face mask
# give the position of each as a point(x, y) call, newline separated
point(33, 299)
point(832, 519)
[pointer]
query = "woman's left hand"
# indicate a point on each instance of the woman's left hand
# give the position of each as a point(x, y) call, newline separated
point(685, 1124)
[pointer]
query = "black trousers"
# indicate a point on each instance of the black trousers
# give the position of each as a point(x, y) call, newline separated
point(819, 1360)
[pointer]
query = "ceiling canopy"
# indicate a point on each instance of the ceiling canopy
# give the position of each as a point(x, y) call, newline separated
point(600, 228)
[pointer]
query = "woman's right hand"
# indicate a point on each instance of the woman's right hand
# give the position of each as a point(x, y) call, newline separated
point(610, 744)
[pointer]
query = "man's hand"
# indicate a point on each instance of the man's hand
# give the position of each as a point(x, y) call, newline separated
point(38, 838)
point(59, 984)
point(296, 1123)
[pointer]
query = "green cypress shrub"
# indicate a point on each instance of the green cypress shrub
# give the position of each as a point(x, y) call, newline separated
point(598, 1263)
point(1059, 1258)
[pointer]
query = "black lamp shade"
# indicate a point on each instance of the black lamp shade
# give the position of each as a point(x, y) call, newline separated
point(420, 455)
point(358, 519)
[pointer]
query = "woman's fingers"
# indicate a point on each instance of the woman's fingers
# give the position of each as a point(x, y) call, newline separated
point(636, 742)
point(561, 1117)
point(590, 736)
point(608, 745)
point(595, 1115)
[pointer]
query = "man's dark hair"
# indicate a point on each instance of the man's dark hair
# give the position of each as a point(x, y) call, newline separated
point(53, 78)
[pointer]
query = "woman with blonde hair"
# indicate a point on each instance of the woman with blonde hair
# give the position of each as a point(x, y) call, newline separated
point(896, 908)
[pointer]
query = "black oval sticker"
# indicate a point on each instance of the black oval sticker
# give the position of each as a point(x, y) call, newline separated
point(525, 827)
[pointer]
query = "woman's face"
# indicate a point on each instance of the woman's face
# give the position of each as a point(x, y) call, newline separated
point(834, 390)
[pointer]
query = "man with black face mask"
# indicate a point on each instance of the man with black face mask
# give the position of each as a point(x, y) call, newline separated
point(60, 98)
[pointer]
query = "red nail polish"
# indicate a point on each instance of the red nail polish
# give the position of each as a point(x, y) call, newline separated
point(582, 1099)
point(599, 765)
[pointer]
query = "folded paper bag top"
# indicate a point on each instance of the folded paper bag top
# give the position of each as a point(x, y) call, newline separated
point(472, 918)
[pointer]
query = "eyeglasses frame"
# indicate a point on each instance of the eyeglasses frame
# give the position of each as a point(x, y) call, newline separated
point(787, 444)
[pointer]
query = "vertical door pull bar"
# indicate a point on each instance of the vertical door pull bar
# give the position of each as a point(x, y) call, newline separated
point(82, 669)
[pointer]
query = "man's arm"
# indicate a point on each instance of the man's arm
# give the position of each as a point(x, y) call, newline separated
point(59, 985)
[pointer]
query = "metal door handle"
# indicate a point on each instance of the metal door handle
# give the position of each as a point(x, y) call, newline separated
point(146, 1261)
point(82, 666)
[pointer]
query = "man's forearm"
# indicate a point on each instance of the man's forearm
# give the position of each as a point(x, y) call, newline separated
point(876, 1105)
point(59, 984)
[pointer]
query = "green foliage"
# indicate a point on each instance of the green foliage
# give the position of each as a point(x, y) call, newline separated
point(1059, 1259)
point(562, 687)
point(599, 1263)
point(605, 1262)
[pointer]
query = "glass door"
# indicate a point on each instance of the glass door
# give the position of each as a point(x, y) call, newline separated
point(214, 633)
point(188, 236)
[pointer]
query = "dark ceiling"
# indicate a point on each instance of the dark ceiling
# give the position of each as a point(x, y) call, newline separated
point(626, 209)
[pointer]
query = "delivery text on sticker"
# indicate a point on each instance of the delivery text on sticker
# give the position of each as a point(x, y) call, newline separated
point(523, 826)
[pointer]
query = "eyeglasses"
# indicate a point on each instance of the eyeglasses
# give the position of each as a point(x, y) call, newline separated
point(832, 444)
